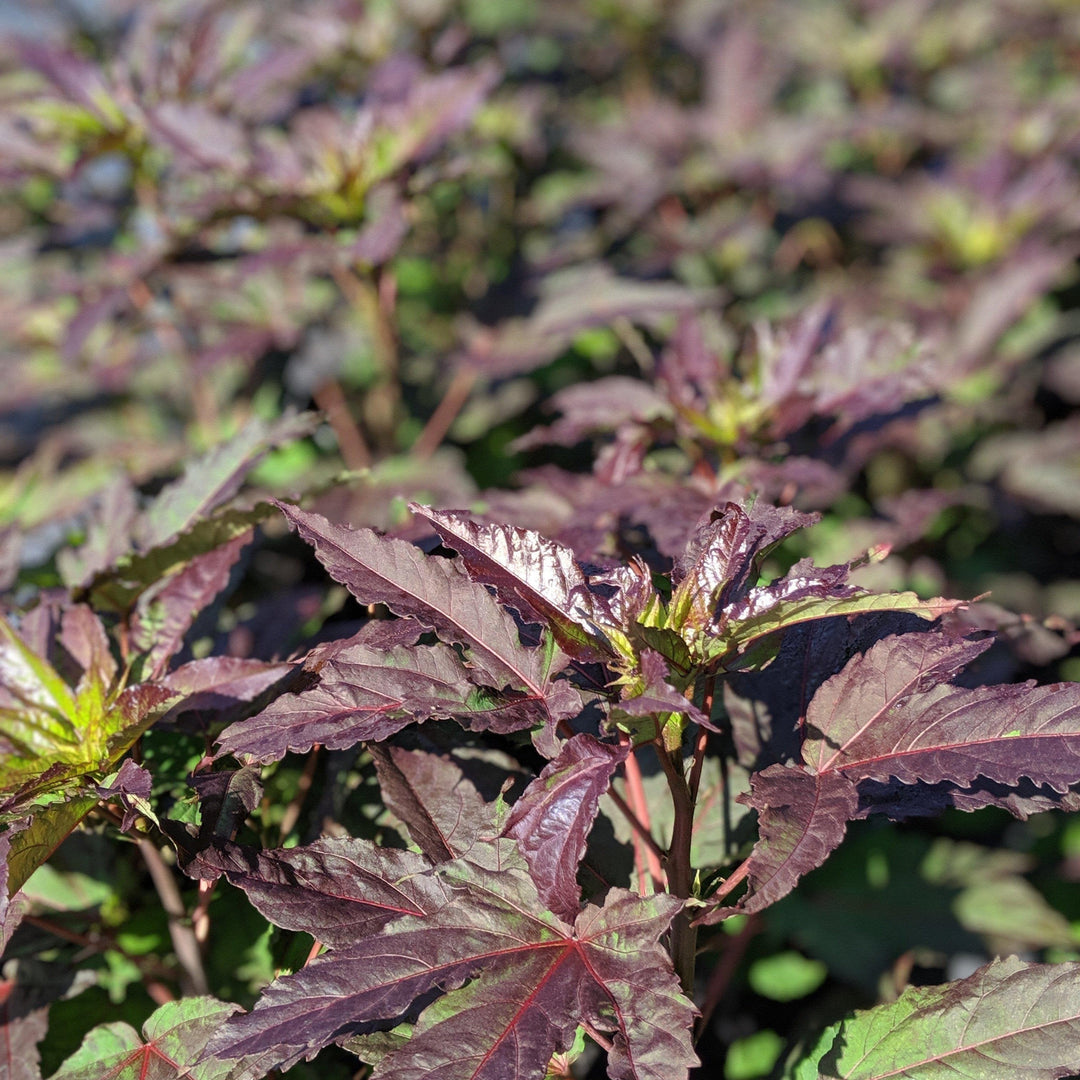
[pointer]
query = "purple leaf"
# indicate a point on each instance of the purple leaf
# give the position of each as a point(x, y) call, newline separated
point(887, 715)
point(12, 908)
point(891, 715)
point(167, 611)
point(83, 636)
point(514, 983)
point(367, 694)
point(541, 579)
point(111, 516)
point(225, 800)
point(806, 593)
point(202, 138)
point(440, 596)
point(721, 559)
point(380, 239)
point(339, 890)
point(24, 1021)
point(77, 79)
point(221, 684)
point(802, 819)
point(571, 302)
point(552, 820)
point(766, 713)
point(604, 405)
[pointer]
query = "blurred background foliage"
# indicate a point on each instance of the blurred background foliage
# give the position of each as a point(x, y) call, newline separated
point(572, 264)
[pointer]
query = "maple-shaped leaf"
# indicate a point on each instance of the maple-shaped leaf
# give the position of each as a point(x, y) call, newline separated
point(513, 981)
point(1009, 1019)
point(552, 819)
point(170, 1047)
point(367, 694)
point(439, 594)
point(891, 713)
point(538, 577)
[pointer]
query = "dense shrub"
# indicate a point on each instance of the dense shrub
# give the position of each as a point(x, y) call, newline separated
point(649, 373)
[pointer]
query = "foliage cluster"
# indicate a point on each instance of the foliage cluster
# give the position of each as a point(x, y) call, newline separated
point(743, 333)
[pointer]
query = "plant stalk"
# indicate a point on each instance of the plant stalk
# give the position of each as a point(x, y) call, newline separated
point(683, 935)
point(183, 936)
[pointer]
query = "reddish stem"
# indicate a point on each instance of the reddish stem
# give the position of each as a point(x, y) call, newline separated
point(331, 400)
point(732, 880)
point(700, 745)
point(457, 393)
point(635, 789)
point(600, 1040)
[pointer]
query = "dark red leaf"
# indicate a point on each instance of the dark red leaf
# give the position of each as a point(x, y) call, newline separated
point(541, 579)
point(440, 596)
point(338, 890)
point(888, 720)
point(552, 820)
point(367, 694)
point(513, 982)
point(167, 611)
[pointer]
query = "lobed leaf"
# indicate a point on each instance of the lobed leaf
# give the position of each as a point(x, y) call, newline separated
point(513, 982)
point(170, 1047)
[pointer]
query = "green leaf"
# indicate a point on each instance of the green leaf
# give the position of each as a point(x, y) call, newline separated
point(31, 847)
point(734, 640)
point(118, 588)
point(1009, 1019)
point(31, 678)
point(753, 1056)
point(170, 1046)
